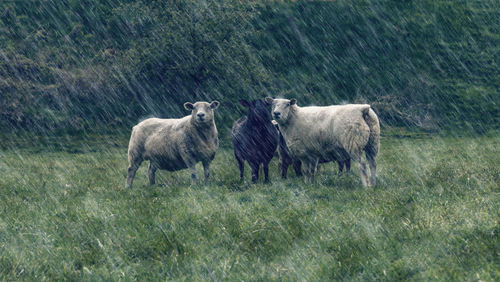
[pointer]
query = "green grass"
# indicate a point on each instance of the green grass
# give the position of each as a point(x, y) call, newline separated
point(65, 214)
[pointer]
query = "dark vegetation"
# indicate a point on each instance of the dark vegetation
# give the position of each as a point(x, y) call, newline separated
point(92, 65)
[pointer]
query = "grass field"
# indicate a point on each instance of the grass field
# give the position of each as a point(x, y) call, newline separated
point(433, 215)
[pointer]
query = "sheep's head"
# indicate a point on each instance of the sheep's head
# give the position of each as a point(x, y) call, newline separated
point(202, 112)
point(281, 108)
point(258, 110)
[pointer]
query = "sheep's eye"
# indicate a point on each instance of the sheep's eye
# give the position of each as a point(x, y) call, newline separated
point(288, 105)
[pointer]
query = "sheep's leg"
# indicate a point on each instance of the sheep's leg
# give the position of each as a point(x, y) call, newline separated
point(373, 169)
point(314, 166)
point(241, 164)
point(151, 172)
point(305, 171)
point(347, 165)
point(297, 166)
point(132, 169)
point(283, 168)
point(255, 171)
point(308, 172)
point(357, 157)
point(362, 170)
point(206, 171)
point(194, 173)
point(266, 171)
point(341, 165)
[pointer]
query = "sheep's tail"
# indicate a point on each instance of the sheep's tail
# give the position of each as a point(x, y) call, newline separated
point(371, 119)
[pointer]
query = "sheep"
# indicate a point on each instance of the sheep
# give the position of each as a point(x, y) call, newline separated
point(175, 144)
point(285, 159)
point(254, 138)
point(333, 132)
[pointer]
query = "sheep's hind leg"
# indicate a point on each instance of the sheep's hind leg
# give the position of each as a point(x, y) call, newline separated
point(362, 169)
point(206, 171)
point(255, 171)
point(373, 169)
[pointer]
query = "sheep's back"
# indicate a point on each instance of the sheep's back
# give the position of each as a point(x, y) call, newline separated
point(166, 138)
point(140, 135)
point(328, 130)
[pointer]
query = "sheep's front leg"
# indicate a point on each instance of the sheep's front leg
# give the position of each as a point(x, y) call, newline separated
point(266, 172)
point(241, 164)
point(306, 171)
point(315, 167)
point(309, 170)
point(194, 174)
point(282, 167)
point(206, 170)
point(297, 166)
point(151, 172)
point(132, 169)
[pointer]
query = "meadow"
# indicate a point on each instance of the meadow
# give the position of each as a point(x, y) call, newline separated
point(433, 215)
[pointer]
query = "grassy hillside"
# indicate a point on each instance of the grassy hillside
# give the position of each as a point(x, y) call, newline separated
point(432, 216)
point(428, 64)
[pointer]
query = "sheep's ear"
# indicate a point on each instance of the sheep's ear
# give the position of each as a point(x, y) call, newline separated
point(214, 105)
point(188, 106)
point(293, 101)
point(244, 103)
point(269, 100)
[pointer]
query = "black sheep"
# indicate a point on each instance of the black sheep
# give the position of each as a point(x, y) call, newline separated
point(254, 138)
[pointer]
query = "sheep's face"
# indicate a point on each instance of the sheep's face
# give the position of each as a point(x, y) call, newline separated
point(281, 109)
point(258, 110)
point(202, 112)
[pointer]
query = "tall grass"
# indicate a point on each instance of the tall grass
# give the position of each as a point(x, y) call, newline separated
point(65, 214)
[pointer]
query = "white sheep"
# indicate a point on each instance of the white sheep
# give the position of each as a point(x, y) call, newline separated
point(333, 132)
point(174, 144)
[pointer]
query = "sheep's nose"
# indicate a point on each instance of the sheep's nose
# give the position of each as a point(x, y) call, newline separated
point(276, 114)
point(201, 115)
